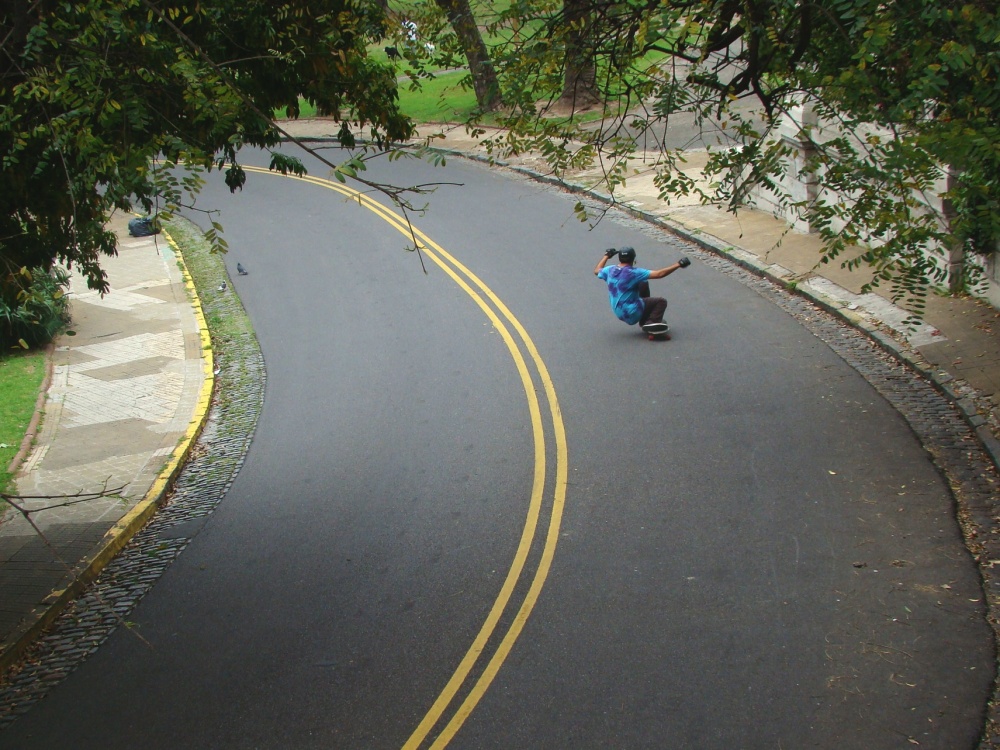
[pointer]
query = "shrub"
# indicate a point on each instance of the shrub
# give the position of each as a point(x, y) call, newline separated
point(34, 308)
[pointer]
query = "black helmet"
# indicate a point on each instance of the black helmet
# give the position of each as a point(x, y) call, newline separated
point(626, 255)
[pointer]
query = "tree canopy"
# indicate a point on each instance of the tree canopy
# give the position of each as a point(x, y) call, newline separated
point(99, 97)
point(905, 95)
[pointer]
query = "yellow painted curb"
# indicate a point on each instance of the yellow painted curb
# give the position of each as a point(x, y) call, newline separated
point(122, 532)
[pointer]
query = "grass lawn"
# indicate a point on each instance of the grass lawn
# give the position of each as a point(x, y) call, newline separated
point(440, 99)
point(443, 99)
point(305, 110)
point(21, 376)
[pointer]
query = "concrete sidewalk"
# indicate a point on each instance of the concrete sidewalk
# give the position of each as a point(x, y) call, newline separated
point(126, 398)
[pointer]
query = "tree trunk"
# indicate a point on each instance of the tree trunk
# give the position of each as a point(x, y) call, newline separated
point(484, 76)
point(580, 81)
point(955, 251)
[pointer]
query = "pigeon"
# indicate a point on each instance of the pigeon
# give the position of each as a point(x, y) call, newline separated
point(241, 270)
point(222, 286)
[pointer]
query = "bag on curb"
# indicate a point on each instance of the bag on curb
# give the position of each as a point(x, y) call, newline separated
point(141, 227)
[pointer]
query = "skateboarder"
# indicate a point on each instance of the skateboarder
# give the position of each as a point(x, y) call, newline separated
point(628, 287)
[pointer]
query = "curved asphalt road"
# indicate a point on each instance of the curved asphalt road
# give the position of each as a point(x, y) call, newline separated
point(753, 550)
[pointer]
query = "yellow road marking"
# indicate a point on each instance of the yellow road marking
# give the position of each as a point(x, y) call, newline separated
point(442, 259)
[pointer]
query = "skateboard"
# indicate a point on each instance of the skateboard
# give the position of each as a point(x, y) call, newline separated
point(656, 331)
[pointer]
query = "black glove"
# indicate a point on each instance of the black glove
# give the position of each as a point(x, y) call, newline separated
point(684, 262)
point(610, 253)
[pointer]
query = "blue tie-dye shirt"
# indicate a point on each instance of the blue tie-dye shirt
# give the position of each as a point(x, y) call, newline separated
point(623, 282)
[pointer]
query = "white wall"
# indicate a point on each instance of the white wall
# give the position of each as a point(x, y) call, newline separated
point(805, 187)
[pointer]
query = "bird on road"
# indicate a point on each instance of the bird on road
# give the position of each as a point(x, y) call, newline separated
point(241, 270)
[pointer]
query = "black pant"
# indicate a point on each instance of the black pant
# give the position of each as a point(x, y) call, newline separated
point(652, 307)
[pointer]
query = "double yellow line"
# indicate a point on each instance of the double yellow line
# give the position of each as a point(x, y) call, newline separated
point(504, 322)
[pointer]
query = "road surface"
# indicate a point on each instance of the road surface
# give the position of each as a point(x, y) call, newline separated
point(480, 512)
